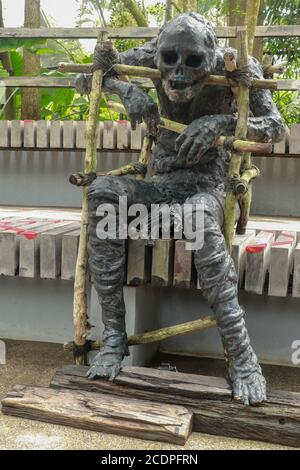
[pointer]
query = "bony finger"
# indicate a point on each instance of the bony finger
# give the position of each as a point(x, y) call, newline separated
point(193, 152)
point(179, 141)
point(184, 149)
point(245, 393)
point(133, 123)
point(91, 374)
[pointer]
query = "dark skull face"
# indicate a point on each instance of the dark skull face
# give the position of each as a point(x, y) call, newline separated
point(185, 56)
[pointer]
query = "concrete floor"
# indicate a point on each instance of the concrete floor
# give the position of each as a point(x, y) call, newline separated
point(34, 363)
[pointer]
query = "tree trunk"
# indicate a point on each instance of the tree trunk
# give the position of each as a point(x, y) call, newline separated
point(187, 5)
point(31, 108)
point(168, 15)
point(258, 48)
point(237, 17)
point(252, 12)
point(7, 65)
point(136, 12)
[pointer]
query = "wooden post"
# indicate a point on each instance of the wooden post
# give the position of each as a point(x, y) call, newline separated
point(90, 165)
point(240, 133)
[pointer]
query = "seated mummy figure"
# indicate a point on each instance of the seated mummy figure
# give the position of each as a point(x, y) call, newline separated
point(184, 169)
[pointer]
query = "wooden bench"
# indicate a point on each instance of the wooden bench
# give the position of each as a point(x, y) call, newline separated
point(44, 244)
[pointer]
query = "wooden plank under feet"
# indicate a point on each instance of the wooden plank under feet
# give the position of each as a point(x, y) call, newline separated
point(209, 398)
point(100, 412)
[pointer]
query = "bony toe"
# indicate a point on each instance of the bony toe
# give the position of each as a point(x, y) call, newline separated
point(91, 373)
point(114, 372)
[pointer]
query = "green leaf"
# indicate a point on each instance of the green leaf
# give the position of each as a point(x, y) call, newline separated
point(17, 63)
point(13, 44)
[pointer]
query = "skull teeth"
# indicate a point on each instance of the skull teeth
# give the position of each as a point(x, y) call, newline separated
point(179, 84)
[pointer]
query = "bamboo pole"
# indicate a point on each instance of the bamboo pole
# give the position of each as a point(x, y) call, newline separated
point(161, 334)
point(252, 13)
point(241, 133)
point(90, 165)
point(154, 74)
point(145, 154)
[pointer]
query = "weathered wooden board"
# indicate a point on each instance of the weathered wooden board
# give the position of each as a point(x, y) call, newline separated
point(281, 263)
point(16, 134)
point(110, 135)
point(149, 384)
point(138, 262)
point(29, 257)
point(51, 249)
point(209, 398)
point(238, 252)
point(294, 144)
point(68, 134)
point(280, 147)
point(55, 134)
point(137, 32)
point(184, 273)
point(101, 412)
point(69, 82)
point(9, 244)
point(29, 134)
point(136, 137)
point(80, 134)
point(123, 141)
point(258, 262)
point(70, 242)
point(42, 134)
point(296, 272)
point(277, 421)
point(4, 134)
point(162, 263)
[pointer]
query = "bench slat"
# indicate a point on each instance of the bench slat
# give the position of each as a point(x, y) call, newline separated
point(16, 134)
point(42, 135)
point(123, 135)
point(10, 243)
point(68, 129)
point(138, 262)
point(51, 249)
point(239, 254)
point(258, 261)
point(55, 134)
point(296, 273)
point(29, 134)
point(30, 249)
point(162, 263)
point(70, 242)
point(295, 139)
point(281, 264)
point(184, 273)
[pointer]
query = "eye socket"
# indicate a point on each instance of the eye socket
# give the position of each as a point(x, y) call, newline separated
point(170, 57)
point(193, 61)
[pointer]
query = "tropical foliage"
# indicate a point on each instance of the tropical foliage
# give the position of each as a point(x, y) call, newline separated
point(66, 104)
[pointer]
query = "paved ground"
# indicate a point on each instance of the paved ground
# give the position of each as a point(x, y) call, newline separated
point(34, 363)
